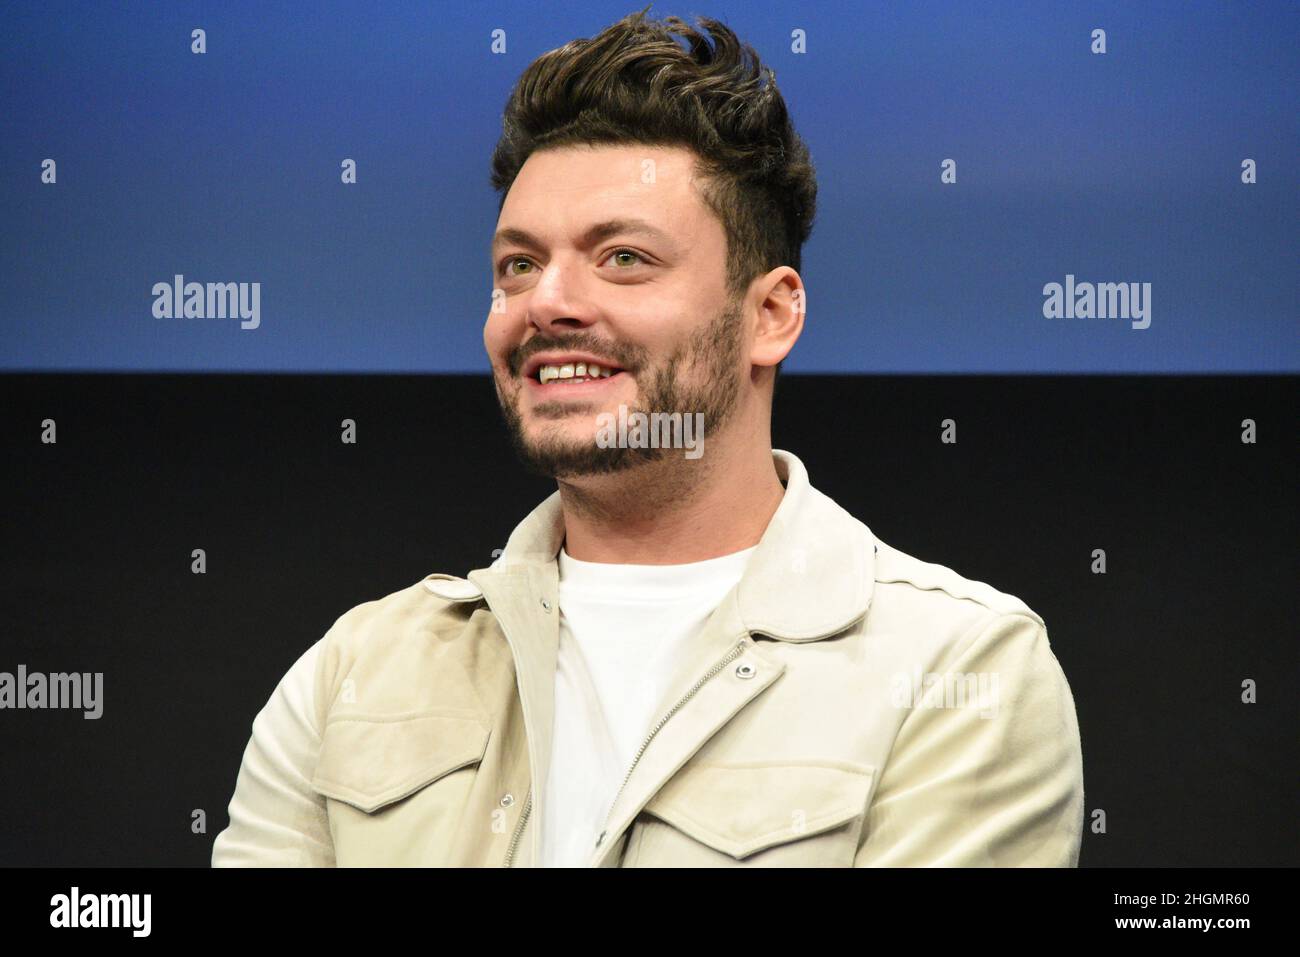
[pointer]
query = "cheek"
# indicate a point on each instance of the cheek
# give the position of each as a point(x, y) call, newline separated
point(496, 337)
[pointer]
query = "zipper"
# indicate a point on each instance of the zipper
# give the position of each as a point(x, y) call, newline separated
point(519, 829)
point(732, 655)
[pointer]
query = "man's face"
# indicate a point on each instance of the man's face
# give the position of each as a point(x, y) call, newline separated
point(647, 297)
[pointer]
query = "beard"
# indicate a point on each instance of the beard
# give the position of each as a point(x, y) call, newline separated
point(712, 353)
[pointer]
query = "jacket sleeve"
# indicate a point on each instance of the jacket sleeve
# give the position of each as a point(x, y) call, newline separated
point(997, 782)
point(276, 819)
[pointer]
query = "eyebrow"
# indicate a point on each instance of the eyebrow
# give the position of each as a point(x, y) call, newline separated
point(593, 235)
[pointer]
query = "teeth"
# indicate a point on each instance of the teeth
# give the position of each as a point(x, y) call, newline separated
point(582, 370)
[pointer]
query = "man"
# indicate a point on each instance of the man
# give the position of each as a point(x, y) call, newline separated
point(687, 655)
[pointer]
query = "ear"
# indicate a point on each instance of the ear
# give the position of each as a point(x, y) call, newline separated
point(781, 302)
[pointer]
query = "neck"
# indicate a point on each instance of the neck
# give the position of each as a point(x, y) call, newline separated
point(674, 510)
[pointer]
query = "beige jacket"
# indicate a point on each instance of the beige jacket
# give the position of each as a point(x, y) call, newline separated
point(846, 705)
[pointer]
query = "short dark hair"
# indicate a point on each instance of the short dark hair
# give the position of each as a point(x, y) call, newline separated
point(634, 83)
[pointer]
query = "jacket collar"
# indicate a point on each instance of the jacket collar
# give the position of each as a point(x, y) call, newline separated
point(810, 577)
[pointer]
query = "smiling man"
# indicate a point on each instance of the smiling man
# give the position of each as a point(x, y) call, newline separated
point(677, 660)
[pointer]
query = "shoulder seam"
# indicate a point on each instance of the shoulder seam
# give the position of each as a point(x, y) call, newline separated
point(954, 595)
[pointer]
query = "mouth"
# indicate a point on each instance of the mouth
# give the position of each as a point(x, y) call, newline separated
point(574, 365)
point(569, 375)
point(552, 382)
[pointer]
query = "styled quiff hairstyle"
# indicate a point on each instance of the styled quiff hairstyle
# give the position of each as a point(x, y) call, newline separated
point(634, 83)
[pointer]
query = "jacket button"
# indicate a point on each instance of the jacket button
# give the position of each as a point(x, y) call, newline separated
point(546, 604)
point(508, 800)
point(744, 671)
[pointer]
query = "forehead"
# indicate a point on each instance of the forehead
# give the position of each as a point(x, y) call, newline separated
point(565, 189)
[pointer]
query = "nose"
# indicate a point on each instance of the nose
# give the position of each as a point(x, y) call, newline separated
point(557, 300)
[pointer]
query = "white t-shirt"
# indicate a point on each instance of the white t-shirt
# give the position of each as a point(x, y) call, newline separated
point(623, 629)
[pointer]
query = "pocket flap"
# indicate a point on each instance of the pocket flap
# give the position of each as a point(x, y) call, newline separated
point(369, 761)
point(740, 808)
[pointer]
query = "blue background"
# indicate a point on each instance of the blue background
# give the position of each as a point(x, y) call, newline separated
point(225, 167)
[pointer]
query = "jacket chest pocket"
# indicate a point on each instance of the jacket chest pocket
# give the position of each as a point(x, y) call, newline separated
point(398, 784)
point(754, 814)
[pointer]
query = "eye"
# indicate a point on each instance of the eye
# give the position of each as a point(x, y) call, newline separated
point(510, 260)
point(627, 252)
point(506, 263)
